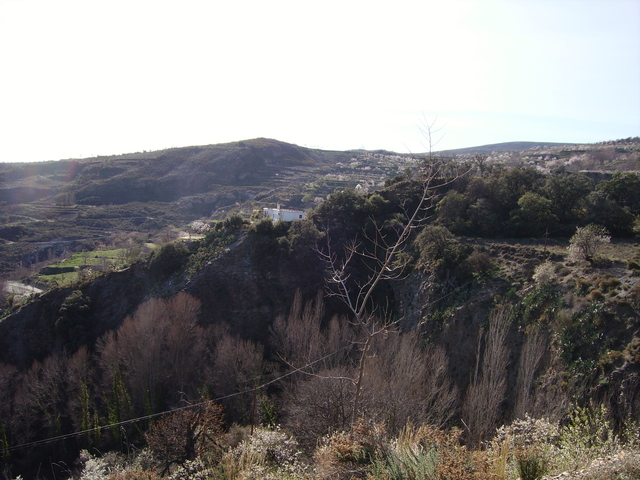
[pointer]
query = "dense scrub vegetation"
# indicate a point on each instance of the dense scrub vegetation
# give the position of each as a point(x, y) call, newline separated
point(498, 359)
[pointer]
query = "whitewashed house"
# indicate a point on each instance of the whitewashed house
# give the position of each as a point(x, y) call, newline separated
point(283, 214)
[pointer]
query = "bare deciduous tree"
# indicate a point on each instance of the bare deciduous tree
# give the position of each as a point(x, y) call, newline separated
point(405, 383)
point(158, 351)
point(297, 337)
point(183, 343)
point(42, 397)
point(301, 341)
point(533, 350)
point(320, 404)
point(183, 434)
point(384, 260)
point(481, 408)
point(237, 367)
point(317, 399)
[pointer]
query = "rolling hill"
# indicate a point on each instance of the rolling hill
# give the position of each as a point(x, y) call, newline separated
point(50, 209)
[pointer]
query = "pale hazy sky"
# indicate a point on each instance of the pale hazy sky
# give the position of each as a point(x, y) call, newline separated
point(92, 77)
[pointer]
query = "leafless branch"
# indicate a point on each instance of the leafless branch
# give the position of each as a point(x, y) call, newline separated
point(533, 351)
point(379, 253)
point(487, 390)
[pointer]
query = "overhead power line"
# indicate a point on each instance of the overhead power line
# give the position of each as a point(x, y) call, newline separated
point(165, 412)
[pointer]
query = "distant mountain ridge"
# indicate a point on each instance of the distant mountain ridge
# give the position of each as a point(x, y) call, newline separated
point(171, 174)
point(504, 147)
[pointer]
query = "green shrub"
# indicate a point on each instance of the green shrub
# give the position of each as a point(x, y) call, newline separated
point(480, 263)
point(582, 286)
point(232, 222)
point(533, 216)
point(211, 246)
point(168, 259)
point(632, 351)
point(632, 265)
point(438, 247)
point(588, 435)
point(582, 337)
point(263, 226)
point(532, 464)
point(408, 463)
point(540, 305)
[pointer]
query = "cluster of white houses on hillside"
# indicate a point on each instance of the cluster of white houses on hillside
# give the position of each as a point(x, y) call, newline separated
point(283, 214)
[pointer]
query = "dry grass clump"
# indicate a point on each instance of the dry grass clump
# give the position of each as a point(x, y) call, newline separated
point(597, 286)
point(596, 295)
point(634, 266)
point(418, 453)
point(346, 455)
point(582, 286)
point(532, 462)
point(427, 452)
point(634, 296)
point(607, 283)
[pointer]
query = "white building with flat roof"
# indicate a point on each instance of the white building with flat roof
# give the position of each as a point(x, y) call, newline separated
point(283, 214)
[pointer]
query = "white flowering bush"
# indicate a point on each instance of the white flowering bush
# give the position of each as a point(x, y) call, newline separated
point(115, 466)
point(586, 242)
point(267, 454)
point(99, 468)
point(544, 274)
point(529, 431)
point(200, 227)
point(192, 470)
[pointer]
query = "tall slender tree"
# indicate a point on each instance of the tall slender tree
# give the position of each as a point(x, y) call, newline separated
point(381, 252)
